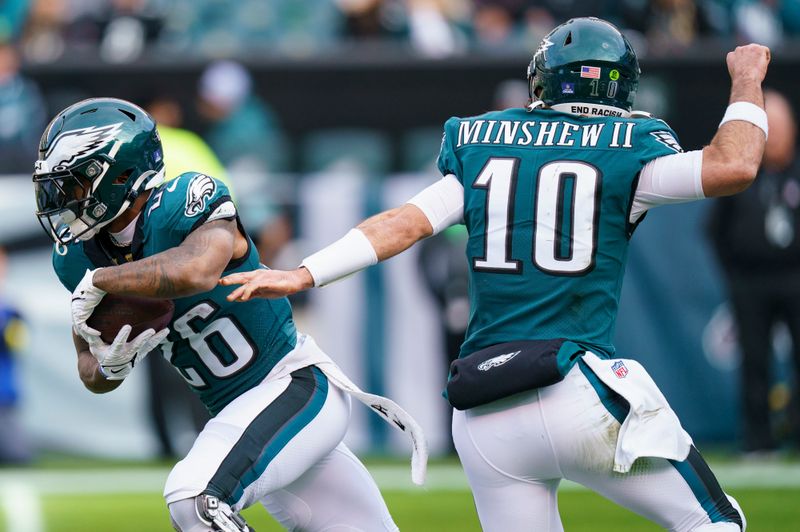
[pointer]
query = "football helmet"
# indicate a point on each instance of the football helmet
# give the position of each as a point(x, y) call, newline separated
point(585, 66)
point(95, 158)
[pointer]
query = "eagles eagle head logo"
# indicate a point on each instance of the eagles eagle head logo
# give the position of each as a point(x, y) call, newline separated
point(199, 190)
point(75, 144)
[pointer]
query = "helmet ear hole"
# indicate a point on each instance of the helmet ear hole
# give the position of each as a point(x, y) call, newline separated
point(568, 40)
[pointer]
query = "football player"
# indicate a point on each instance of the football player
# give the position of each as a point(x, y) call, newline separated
point(551, 195)
point(280, 406)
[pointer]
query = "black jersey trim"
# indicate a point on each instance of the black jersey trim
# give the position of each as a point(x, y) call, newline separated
point(210, 210)
point(268, 434)
point(631, 227)
point(96, 254)
point(235, 263)
point(137, 244)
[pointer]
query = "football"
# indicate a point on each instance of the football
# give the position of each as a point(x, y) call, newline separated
point(142, 313)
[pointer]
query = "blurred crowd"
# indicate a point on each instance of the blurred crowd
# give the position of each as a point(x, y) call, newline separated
point(124, 30)
point(49, 32)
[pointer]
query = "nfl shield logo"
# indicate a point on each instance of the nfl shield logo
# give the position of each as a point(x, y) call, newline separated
point(619, 369)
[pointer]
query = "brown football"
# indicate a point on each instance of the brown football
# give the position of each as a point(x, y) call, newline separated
point(142, 313)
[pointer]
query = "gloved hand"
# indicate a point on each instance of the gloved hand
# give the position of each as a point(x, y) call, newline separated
point(118, 358)
point(85, 298)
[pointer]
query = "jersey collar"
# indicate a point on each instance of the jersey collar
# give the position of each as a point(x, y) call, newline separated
point(124, 238)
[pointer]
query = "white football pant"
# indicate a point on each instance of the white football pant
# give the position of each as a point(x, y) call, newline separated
point(515, 451)
point(280, 443)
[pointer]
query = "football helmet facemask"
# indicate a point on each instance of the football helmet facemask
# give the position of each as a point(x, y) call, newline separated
point(585, 66)
point(95, 158)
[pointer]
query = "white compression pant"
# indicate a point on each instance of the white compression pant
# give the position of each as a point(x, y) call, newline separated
point(280, 443)
point(516, 451)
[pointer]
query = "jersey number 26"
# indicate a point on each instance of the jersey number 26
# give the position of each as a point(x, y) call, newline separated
point(220, 343)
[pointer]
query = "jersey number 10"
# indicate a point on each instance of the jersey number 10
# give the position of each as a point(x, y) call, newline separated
point(565, 212)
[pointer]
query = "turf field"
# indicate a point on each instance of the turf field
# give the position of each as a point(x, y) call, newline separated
point(128, 500)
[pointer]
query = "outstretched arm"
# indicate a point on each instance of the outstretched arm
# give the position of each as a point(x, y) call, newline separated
point(731, 161)
point(394, 231)
point(375, 239)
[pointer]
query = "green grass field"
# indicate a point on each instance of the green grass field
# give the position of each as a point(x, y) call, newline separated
point(128, 500)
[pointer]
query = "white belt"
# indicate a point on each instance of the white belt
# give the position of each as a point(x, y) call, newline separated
point(308, 353)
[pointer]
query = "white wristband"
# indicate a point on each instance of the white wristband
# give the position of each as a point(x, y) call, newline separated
point(348, 255)
point(747, 112)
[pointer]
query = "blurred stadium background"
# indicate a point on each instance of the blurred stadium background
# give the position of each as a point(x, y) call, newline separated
point(321, 113)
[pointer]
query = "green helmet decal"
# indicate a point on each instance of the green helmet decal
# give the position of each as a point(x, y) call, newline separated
point(585, 66)
point(95, 158)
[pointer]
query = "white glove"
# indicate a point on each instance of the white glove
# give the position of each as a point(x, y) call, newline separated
point(118, 358)
point(85, 298)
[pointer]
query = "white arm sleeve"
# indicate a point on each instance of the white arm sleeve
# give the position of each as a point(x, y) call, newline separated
point(442, 203)
point(348, 255)
point(674, 178)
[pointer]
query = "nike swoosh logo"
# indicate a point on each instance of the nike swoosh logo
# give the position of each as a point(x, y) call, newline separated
point(74, 299)
point(115, 371)
point(171, 188)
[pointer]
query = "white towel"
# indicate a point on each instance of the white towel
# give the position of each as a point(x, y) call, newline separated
point(308, 353)
point(651, 428)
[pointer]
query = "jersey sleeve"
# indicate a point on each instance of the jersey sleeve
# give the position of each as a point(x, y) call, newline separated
point(656, 139)
point(71, 266)
point(447, 161)
point(184, 204)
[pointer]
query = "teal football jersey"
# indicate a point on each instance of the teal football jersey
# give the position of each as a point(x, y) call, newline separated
point(221, 349)
point(547, 197)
